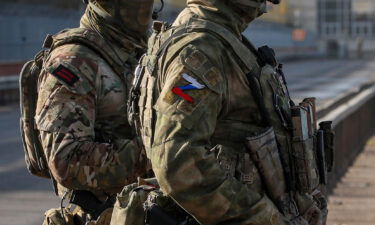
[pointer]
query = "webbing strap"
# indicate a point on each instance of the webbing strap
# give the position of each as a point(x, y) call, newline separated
point(244, 53)
point(95, 43)
point(241, 51)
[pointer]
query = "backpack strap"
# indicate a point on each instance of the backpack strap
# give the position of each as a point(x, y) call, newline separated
point(243, 49)
point(245, 52)
point(93, 41)
point(248, 58)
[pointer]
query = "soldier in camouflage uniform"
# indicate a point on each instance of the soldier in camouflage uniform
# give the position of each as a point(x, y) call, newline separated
point(197, 109)
point(81, 109)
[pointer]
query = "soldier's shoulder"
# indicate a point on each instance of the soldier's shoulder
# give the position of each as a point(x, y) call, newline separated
point(202, 56)
point(75, 66)
point(210, 44)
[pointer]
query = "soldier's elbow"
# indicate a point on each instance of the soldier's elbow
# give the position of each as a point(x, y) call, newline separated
point(61, 173)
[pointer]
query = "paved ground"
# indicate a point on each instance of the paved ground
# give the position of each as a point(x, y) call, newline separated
point(24, 198)
point(353, 201)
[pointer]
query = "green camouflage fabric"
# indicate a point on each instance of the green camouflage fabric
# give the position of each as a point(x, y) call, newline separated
point(197, 145)
point(83, 126)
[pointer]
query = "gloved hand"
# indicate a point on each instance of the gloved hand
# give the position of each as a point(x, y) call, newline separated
point(309, 208)
point(322, 204)
point(313, 215)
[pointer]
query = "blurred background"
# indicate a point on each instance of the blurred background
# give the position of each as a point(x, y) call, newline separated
point(328, 49)
point(332, 27)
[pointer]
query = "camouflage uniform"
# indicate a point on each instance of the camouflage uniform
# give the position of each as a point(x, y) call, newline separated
point(81, 110)
point(204, 110)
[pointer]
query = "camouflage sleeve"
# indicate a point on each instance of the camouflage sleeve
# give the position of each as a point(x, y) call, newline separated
point(65, 117)
point(187, 111)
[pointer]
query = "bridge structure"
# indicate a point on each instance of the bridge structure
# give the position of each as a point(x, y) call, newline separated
point(346, 26)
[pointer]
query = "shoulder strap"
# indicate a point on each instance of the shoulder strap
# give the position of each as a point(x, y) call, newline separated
point(91, 40)
point(246, 52)
point(248, 58)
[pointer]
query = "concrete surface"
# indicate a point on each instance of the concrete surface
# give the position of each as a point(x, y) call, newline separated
point(353, 200)
point(23, 198)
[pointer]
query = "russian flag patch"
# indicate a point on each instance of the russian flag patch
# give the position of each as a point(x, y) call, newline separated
point(194, 85)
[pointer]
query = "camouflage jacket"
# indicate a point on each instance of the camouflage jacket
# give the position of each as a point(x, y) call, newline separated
point(82, 119)
point(196, 126)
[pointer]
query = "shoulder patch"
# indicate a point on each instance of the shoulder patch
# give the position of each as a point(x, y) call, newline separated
point(196, 59)
point(64, 74)
point(74, 66)
point(193, 85)
point(198, 63)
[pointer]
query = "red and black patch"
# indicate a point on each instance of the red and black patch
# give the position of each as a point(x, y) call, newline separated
point(64, 74)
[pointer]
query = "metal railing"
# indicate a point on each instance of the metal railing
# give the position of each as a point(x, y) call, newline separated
point(9, 89)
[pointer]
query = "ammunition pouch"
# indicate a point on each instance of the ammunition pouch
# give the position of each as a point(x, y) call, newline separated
point(128, 209)
point(312, 149)
point(264, 152)
point(304, 161)
point(103, 219)
point(238, 165)
point(145, 204)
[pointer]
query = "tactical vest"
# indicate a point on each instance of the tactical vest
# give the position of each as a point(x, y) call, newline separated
point(34, 154)
point(290, 155)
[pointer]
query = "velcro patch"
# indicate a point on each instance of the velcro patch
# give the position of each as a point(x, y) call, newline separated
point(193, 85)
point(196, 60)
point(64, 74)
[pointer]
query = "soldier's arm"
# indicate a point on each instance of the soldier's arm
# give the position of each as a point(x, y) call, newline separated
point(181, 158)
point(65, 118)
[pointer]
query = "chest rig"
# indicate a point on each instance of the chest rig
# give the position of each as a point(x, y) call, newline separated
point(289, 155)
